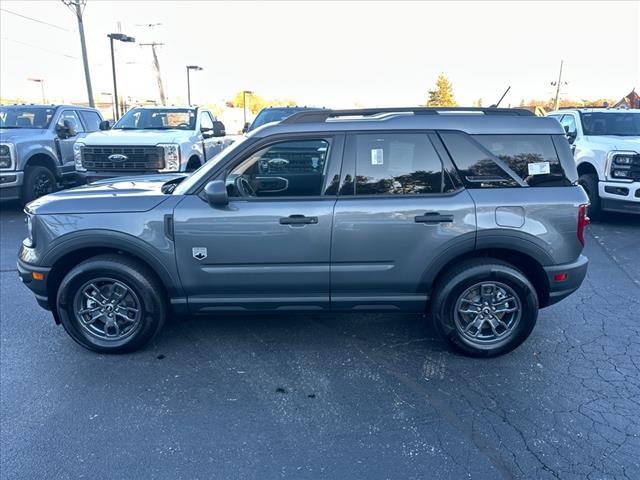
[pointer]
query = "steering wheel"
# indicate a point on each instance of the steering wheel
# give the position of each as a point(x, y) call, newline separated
point(183, 124)
point(244, 187)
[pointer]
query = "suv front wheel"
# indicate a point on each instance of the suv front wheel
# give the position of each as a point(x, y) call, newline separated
point(484, 307)
point(111, 304)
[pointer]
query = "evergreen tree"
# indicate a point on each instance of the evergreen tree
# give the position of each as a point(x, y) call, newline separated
point(442, 95)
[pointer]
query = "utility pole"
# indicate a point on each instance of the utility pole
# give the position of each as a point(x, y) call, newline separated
point(77, 7)
point(556, 102)
point(156, 64)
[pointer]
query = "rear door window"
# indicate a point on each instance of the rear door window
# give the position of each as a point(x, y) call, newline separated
point(532, 157)
point(397, 164)
point(91, 120)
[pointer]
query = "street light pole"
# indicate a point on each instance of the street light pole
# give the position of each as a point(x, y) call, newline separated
point(244, 103)
point(190, 67)
point(41, 82)
point(122, 38)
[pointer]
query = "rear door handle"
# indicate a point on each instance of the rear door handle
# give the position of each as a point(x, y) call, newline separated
point(298, 220)
point(434, 217)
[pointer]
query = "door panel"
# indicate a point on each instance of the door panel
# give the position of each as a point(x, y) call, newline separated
point(253, 260)
point(400, 215)
point(380, 253)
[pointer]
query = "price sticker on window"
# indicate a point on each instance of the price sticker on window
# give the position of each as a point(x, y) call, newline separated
point(538, 168)
point(377, 156)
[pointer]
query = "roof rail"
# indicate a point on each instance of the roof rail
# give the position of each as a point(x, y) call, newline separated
point(316, 116)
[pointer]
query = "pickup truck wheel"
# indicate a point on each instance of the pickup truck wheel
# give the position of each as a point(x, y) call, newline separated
point(484, 307)
point(589, 181)
point(38, 181)
point(111, 304)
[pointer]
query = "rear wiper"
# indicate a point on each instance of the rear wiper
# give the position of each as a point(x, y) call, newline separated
point(9, 126)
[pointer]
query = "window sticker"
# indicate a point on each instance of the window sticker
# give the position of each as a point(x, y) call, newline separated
point(377, 156)
point(538, 168)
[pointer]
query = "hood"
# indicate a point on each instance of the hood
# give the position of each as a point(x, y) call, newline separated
point(136, 137)
point(15, 135)
point(126, 195)
point(614, 142)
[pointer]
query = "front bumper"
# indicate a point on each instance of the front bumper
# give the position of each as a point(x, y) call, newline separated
point(619, 196)
point(573, 274)
point(10, 185)
point(38, 287)
point(92, 176)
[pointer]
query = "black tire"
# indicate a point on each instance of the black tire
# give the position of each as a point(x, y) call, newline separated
point(465, 277)
point(145, 289)
point(589, 181)
point(193, 164)
point(38, 181)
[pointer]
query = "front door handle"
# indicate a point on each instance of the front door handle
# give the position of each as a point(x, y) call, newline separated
point(298, 220)
point(433, 217)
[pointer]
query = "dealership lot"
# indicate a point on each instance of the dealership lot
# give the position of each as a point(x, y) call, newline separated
point(341, 396)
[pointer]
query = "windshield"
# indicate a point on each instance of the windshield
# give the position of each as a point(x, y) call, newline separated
point(626, 124)
point(26, 117)
point(158, 119)
point(204, 170)
point(273, 115)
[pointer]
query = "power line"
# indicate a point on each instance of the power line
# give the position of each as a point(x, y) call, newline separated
point(36, 20)
point(40, 48)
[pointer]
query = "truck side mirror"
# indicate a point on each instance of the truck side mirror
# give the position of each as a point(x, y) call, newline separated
point(216, 193)
point(65, 130)
point(571, 136)
point(218, 129)
point(104, 125)
point(245, 129)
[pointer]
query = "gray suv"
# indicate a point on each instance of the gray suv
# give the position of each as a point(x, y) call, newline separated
point(36, 147)
point(472, 215)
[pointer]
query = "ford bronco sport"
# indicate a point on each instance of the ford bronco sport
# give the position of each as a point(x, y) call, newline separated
point(472, 215)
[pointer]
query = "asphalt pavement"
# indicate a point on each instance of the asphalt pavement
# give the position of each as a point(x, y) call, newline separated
point(370, 396)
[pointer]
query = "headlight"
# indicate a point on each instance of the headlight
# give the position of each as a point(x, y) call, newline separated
point(171, 157)
point(30, 241)
point(622, 166)
point(77, 156)
point(6, 157)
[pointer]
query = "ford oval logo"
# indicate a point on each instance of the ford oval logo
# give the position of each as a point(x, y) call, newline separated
point(117, 157)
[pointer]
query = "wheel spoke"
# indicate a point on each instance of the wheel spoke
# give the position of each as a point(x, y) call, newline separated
point(118, 297)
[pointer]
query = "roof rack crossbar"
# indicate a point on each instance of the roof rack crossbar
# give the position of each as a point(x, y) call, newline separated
point(318, 116)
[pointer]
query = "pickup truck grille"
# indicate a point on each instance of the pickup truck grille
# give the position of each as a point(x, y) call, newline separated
point(137, 158)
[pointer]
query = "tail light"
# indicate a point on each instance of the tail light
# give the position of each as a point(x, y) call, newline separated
point(583, 221)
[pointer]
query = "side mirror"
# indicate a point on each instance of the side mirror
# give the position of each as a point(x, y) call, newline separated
point(218, 129)
point(65, 130)
point(104, 125)
point(245, 129)
point(571, 136)
point(216, 193)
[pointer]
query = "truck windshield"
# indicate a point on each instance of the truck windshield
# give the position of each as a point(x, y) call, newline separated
point(626, 124)
point(273, 115)
point(158, 119)
point(26, 117)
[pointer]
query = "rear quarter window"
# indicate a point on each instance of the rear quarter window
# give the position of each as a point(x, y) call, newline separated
point(532, 157)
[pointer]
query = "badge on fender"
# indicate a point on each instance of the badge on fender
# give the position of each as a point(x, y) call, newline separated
point(199, 253)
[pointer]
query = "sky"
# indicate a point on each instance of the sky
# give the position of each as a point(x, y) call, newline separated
point(332, 54)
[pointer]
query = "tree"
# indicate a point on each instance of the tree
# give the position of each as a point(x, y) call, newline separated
point(255, 102)
point(477, 103)
point(442, 95)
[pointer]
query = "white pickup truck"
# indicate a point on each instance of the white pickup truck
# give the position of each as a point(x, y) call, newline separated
point(606, 147)
point(151, 140)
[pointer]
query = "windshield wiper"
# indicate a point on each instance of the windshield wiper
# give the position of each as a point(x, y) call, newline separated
point(10, 126)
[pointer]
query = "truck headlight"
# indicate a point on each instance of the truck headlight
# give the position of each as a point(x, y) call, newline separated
point(171, 157)
point(6, 157)
point(77, 157)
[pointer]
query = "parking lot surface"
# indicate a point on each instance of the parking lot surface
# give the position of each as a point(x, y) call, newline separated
point(340, 396)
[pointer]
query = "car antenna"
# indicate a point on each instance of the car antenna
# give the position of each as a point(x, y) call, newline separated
point(495, 105)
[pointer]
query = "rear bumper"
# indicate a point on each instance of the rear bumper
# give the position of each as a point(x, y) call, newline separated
point(575, 273)
point(38, 287)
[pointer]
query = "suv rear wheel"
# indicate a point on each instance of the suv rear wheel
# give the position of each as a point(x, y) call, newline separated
point(38, 181)
point(111, 304)
point(484, 307)
point(589, 181)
